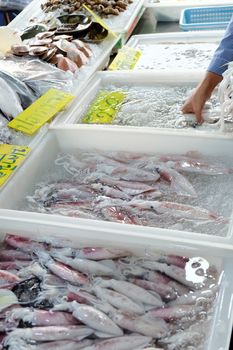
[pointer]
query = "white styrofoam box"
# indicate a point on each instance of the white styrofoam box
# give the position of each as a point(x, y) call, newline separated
point(129, 27)
point(176, 51)
point(147, 79)
point(125, 23)
point(72, 138)
point(170, 10)
point(121, 24)
point(176, 37)
point(83, 235)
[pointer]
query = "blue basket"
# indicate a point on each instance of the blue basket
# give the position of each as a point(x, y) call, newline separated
point(205, 18)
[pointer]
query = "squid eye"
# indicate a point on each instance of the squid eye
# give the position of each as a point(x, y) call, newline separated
point(151, 207)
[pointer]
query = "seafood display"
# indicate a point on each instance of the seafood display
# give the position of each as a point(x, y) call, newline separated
point(167, 191)
point(175, 54)
point(16, 91)
point(104, 8)
point(159, 107)
point(22, 81)
point(61, 50)
point(59, 295)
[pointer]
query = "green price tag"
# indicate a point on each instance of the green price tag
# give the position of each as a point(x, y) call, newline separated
point(41, 111)
point(11, 156)
point(104, 108)
point(126, 59)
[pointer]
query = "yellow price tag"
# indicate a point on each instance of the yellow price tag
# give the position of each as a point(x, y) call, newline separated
point(126, 59)
point(41, 111)
point(104, 108)
point(11, 156)
point(99, 20)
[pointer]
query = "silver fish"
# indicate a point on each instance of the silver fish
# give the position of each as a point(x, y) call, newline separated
point(10, 104)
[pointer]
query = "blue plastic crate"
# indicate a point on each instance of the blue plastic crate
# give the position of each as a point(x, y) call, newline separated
point(205, 18)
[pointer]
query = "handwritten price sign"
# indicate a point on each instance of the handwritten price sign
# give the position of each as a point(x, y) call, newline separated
point(11, 157)
point(41, 111)
point(126, 59)
point(104, 108)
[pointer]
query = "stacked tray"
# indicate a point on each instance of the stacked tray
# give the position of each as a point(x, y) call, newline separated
point(175, 51)
point(170, 10)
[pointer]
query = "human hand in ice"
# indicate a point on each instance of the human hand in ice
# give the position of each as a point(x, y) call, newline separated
point(195, 103)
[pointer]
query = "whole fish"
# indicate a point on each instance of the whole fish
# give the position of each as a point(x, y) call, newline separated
point(91, 317)
point(23, 243)
point(155, 328)
point(129, 187)
point(61, 270)
point(14, 255)
point(42, 317)
point(93, 253)
point(118, 300)
point(132, 291)
point(84, 265)
point(178, 183)
point(195, 165)
point(128, 173)
point(110, 191)
point(98, 253)
point(125, 342)
point(52, 345)
point(49, 333)
point(175, 312)
point(27, 97)
point(166, 292)
point(124, 216)
point(177, 273)
point(10, 104)
point(83, 297)
point(165, 281)
point(179, 210)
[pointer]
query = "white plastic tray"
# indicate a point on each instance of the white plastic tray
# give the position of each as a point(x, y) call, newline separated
point(174, 50)
point(127, 20)
point(147, 79)
point(122, 24)
point(170, 10)
point(220, 330)
point(101, 52)
point(70, 138)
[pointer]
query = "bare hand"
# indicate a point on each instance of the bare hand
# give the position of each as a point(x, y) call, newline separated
point(195, 103)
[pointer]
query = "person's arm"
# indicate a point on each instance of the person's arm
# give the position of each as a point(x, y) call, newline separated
point(195, 103)
point(222, 56)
